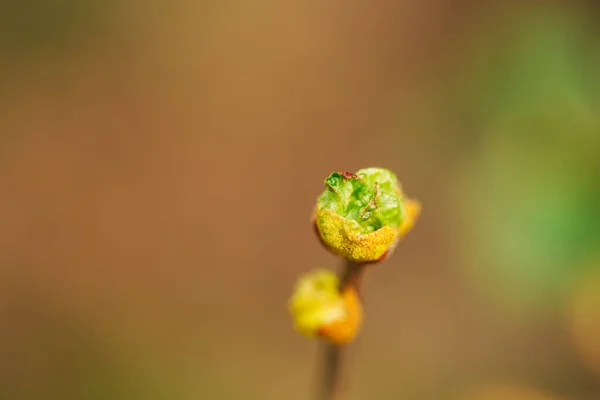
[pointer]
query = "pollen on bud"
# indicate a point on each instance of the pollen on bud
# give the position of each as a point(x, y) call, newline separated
point(320, 309)
point(362, 216)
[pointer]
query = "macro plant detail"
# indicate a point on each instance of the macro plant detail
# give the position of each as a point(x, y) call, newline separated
point(359, 217)
point(321, 309)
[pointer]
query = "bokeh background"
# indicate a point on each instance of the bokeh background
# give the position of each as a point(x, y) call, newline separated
point(159, 161)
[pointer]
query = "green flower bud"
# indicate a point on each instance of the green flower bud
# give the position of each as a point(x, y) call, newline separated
point(362, 216)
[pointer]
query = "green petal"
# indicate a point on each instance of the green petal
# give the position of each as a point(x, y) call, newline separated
point(371, 197)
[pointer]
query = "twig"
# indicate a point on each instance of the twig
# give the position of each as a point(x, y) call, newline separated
point(333, 354)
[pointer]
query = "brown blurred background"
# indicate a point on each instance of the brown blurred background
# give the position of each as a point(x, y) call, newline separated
point(159, 162)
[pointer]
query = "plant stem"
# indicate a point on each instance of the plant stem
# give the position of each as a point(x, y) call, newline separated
point(333, 354)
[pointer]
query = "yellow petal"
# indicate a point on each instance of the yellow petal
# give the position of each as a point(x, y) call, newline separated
point(344, 238)
point(412, 210)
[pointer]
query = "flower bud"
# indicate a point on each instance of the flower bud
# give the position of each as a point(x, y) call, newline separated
point(362, 216)
point(320, 309)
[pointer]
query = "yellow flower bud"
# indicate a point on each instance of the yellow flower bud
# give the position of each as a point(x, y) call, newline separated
point(320, 309)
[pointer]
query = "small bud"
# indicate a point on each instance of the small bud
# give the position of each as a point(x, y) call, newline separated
point(362, 216)
point(320, 309)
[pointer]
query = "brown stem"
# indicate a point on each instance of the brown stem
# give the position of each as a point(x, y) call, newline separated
point(333, 354)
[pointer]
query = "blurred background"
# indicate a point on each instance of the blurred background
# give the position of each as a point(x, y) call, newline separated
point(159, 162)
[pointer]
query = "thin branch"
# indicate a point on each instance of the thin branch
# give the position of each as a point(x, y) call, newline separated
point(333, 354)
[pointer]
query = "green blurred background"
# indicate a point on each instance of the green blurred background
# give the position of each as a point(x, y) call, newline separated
point(159, 162)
